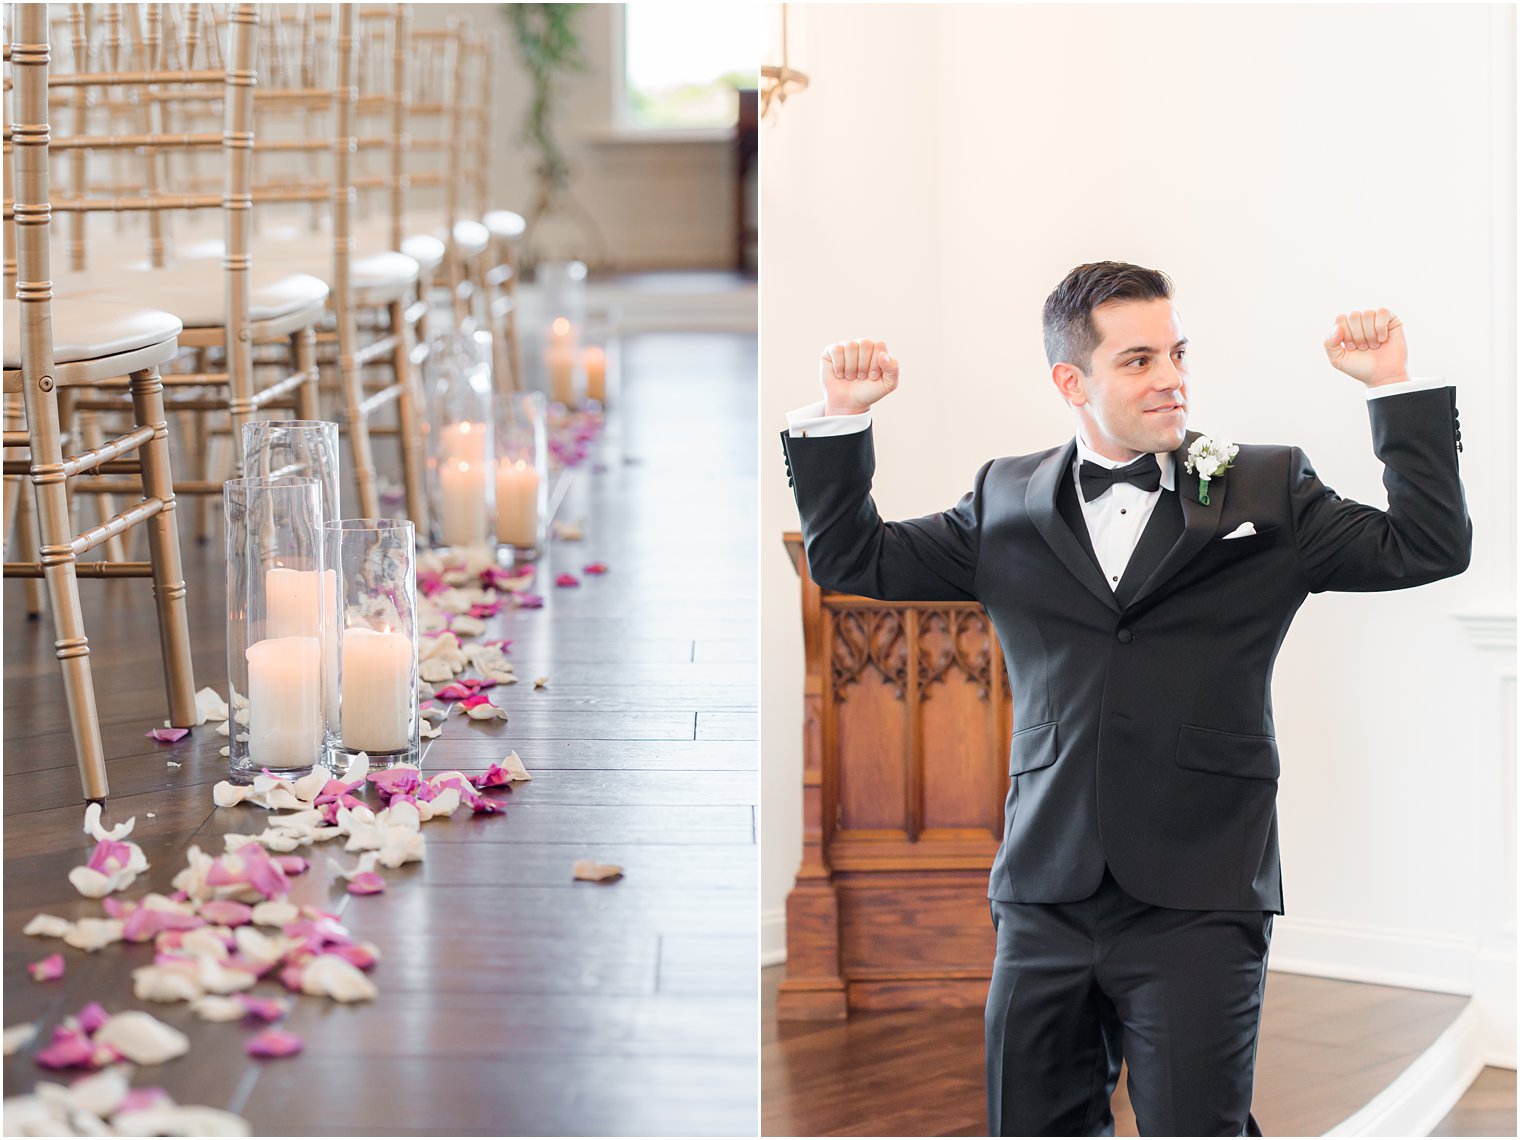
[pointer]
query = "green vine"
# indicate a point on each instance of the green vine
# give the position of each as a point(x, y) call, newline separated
point(550, 48)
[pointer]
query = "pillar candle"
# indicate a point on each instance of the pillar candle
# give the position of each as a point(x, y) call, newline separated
point(285, 702)
point(293, 603)
point(595, 360)
point(378, 699)
point(463, 491)
point(516, 503)
point(465, 441)
point(561, 361)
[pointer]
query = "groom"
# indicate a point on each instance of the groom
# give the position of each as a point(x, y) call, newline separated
point(1140, 607)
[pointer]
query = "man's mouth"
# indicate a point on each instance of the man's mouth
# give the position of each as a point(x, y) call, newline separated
point(1164, 408)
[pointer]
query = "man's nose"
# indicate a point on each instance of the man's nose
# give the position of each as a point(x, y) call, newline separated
point(1168, 378)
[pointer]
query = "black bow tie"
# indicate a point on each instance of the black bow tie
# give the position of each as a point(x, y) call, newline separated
point(1144, 473)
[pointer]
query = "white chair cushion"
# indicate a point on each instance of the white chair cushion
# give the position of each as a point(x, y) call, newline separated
point(506, 224)
point(196, 291)
point(89, 330)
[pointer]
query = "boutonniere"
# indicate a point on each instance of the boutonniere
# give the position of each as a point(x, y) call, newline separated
point(1208, 459)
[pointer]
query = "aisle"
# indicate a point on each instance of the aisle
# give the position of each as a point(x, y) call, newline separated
point(512, 999)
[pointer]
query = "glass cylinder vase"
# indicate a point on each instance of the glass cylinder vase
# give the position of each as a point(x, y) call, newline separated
point(376, 565)
point(279, 610)
point(301, 448)
point(522, 475)
point(553, 337)
point(462, 451)
point(600, 357)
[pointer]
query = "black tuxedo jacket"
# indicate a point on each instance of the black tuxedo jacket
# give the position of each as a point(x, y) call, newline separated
point(1144, 734)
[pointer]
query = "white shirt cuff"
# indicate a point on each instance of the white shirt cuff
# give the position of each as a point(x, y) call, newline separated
point(810, 420)
point(1413, 384)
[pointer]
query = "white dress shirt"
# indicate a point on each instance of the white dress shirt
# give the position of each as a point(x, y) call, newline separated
point(1115, 519)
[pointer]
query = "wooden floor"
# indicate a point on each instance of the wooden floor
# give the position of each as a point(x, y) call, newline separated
point(512, 1000)
point(1326, 1049)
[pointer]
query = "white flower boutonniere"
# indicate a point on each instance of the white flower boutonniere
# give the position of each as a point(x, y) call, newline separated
point(1209, 458)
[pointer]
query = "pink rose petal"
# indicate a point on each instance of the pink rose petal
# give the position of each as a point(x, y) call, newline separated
point(290, 977)
point(476, 701)
point(530, 601)
point(110, 855)
point(117, 908)
point(275, 1043)
point(485, 609)
point(168, 735)
point(594, 568)
point(226, 912)
point(263, 1008)
point(292, 864)
point(249, 965)
point(394, 781)
point(358, 956)
point(567, 580)
point(502, 643)
point(48, 969)
point(144, 923)
point(453, 691)
point(366, 883)
point(92, 1017)
point(70, 1049)
point(137, 1100)
point(336, 790)
point(495, 777)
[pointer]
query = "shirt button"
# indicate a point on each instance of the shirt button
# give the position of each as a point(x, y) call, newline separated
point(1116, 577)
point(1124, 510)
point(1125, 637)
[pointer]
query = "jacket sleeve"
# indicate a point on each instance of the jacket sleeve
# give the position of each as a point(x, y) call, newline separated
point(1424, 535)
point(850, 548)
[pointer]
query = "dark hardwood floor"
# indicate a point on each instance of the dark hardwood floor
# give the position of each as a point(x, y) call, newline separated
point(513, 1000)
point(1327, 1047)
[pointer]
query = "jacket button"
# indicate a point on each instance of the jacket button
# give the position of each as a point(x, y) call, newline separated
point(1125, 637)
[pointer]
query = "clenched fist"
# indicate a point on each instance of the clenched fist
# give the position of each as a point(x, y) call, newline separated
point(855, 374)
point(1369, 346)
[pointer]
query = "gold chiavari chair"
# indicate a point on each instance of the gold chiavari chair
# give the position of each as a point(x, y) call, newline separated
point(53, 348)
point(227, 309)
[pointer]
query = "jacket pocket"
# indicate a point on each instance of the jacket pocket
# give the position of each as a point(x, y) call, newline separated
point(1227, 753)
point(1033, 748)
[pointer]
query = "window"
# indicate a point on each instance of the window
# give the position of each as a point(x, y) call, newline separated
point(682, 63)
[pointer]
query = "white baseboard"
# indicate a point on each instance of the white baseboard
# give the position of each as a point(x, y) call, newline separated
point(689, 310)
point(1421, 1096)
point(772, 936)
point(1382, 956)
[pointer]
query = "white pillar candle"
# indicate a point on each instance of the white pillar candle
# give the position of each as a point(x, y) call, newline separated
point(516, 503)
point(595, 360)
point(462, 488)
point(466, 442)
point(285, 702)
point(561, 361)
point(292, 603)
point(378, 701)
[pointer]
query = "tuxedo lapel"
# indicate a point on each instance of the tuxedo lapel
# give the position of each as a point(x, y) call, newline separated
point(1199, 523)
point(1040, 501)
point(1161, 533)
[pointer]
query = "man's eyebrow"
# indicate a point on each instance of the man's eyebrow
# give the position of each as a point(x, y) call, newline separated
point(1147, 349)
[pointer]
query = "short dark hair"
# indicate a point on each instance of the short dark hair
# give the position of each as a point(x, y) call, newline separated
point(1070, 334)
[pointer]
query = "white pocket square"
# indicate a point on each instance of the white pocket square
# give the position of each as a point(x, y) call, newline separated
point(1241, 531)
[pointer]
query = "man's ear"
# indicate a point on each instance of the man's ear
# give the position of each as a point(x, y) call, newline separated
point(1070, 382)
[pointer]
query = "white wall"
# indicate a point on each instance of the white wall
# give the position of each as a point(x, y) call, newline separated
point(661, 205)
point(945, 170)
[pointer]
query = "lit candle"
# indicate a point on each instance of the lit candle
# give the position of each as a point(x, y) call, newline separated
point(595, 360)
point(463, 490)
point(293, 602)
point(466, 442)
point(561, 359)
point(516, 503)
point(378, 701)
point(285, 702)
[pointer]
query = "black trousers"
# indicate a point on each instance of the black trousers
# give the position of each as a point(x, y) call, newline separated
point(1079, 986)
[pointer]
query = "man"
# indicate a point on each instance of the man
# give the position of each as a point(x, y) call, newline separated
point(1141, 579)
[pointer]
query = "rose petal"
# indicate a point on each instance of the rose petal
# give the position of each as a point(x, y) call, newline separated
point(540, 683)
point(275, 1043)
point(142, 1039)
point(567, 580)
point(18, 1037)
point(168, 735)
point(69, 1049)
point(92, 934)
point(335, 977)
point(48, 926)
point(454, 691)
point(226, 912)
point(366, 883)
point(530, 601)
point(594, 568)
point(592, 871)
point(92, 1017)
point(95, 831)
point(144, 923)
point(47, 969)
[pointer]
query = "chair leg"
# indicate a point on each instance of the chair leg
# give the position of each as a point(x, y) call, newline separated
point(303, 348)
point(358, 433)
point(15, 420)
point(201, 443)
point(163, 544)
point(57, 551)
point(408, 410)
point(28, 541)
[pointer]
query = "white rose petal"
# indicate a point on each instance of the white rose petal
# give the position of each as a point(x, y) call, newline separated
point(164, 983)
point(92, 884)
point(435, 671)
point(259, 947)
point(180, 1120)
point(486, 712)
point(206, 942)
point(512, 762)
point(214, 1007)
point(209, 706)
point(401, 846)
point(225, 728)
point(428, 731)
point(142, 1038)
point(467, 626)
point(275, 914)
point(95, 831)
point(48, 926)
point(443, 805)
point(310, 786)
point(100, 1094)
point(18, 1037)
point(236, 841)
point(401, 814)
point(227, 794)
point(367, 862)
point(215, 978)
point(330, 976)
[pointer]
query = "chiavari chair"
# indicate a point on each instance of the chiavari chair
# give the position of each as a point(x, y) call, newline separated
point(229, 308)
point(55, 347)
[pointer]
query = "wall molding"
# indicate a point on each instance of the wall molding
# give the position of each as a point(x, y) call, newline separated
point(1380, 955)
point(1421, 1096)
point(772, 936)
